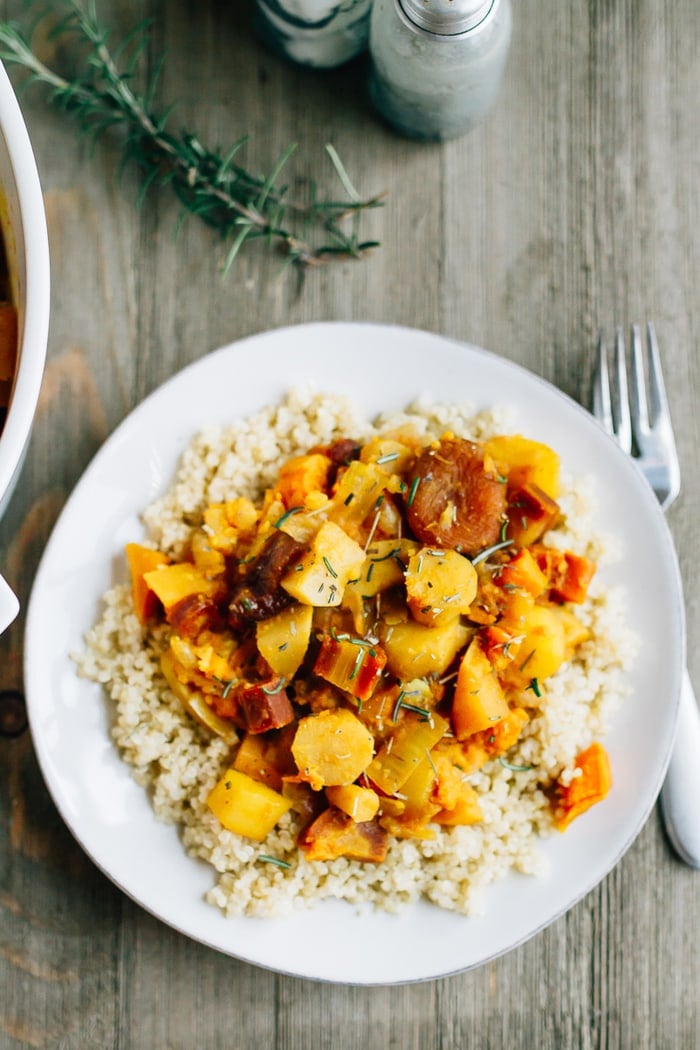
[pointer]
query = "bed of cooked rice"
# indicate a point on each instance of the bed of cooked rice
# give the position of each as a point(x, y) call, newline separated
point(179, 762)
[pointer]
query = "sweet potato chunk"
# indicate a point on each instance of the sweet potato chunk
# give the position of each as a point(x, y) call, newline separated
point(456, 499)
point(142, 560)
point(335, 834)
point(264, 705)
point(530, 513)
point(351, 665)
point(590, 787)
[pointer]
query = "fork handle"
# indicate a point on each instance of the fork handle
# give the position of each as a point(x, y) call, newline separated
point(681, 789)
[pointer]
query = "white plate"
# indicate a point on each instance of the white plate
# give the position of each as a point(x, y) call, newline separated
point(109, 814)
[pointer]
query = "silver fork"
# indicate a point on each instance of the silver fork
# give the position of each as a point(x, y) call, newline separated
point(636, 414)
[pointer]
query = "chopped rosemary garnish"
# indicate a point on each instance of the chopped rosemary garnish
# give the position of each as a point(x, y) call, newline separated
point(504, 528)
point(430, 759)
point(527, 659)
point(412, 493)
point(535, 686)
point(287, 514)
point(389, 457)
point(358, 664)
point(515, 769)
point(488, 551)
point(274, 860)
point(227, 688)
point(276, 688)
point(330, 568)
point(401, 703)
point(348, 499)
point(385, 557)
point(102, 93)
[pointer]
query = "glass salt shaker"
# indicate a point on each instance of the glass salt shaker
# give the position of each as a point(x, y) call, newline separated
point(318, 33)
point(437, 64)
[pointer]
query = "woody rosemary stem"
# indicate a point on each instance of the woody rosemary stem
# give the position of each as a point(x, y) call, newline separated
point(241, 206)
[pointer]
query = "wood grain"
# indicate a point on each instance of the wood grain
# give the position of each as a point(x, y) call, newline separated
point(574, 206)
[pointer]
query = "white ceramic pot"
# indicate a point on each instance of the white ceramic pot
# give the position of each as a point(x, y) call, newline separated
point(26, 244)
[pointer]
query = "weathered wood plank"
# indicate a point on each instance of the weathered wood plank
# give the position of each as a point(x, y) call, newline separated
point(575, 205)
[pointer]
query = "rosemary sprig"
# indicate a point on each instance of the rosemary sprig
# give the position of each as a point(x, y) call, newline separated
point(210, 184)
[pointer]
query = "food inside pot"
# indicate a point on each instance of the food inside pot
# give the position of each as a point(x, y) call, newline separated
point(8, 336)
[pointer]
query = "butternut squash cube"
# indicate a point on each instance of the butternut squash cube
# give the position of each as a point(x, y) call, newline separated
point(245, 806)
point(525, 462)
point(302, 475)
point(440, 584)
point(172, 583)
point(584, 791)
point(478, 700)
point(320, 577)
point(142, 560)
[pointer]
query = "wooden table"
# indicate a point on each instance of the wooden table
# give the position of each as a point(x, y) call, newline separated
point(574, 206)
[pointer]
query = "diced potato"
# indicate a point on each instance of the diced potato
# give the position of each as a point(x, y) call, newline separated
point(320, 577)
point(332, 747)
point(360, 803)
point(405, 750)
point(383, 567)
point(142, 560)
point(335, 834)
point(417, 790)
point(550, 634)
point(302, 475)
point(478, 699)
point(350, 664)
point(415, 651)
point(440, 584)
point(525, 462)
point(172, 583)
point(246, 806)
point(284, 638)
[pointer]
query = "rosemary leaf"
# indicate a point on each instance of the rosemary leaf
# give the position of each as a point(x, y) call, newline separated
point(102, 95)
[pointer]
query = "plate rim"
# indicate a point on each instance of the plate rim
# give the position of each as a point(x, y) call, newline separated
point(274, 334)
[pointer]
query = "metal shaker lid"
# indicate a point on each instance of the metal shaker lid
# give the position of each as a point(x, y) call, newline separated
point(446, 17)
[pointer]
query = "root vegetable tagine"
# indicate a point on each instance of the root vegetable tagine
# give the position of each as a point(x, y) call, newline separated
point(363, 650)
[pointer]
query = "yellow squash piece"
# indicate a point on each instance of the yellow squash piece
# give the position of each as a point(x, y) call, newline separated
point(360, 803)
point(246, 806)
point(415, 651)
point(478, 699)
point(525, 462)
point(284, 638)
point(172, 583)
